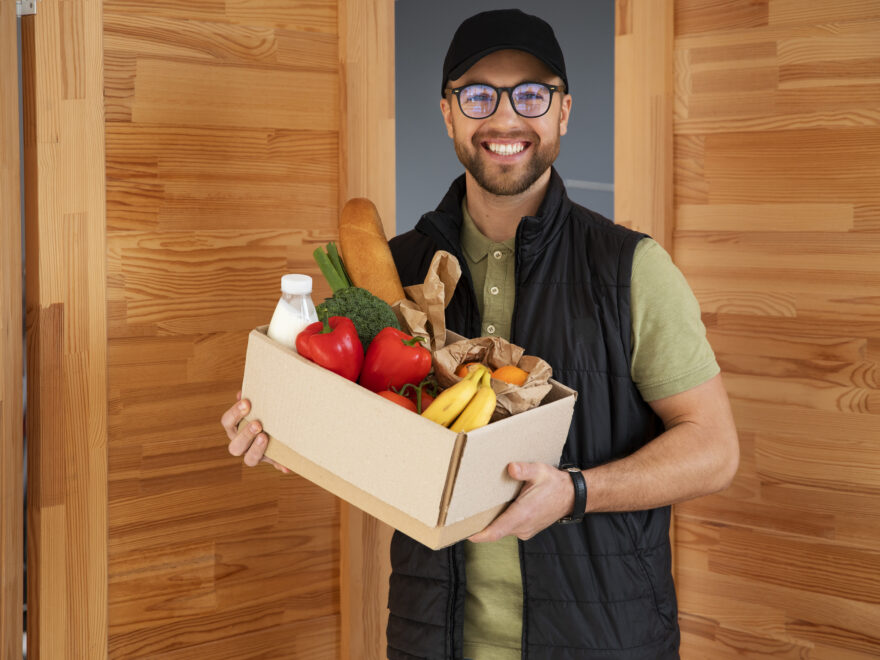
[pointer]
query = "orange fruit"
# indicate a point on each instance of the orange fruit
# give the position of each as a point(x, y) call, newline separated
point(464, 369)
point(510, 374)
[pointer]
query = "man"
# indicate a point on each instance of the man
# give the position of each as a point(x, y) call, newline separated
point(578, 566)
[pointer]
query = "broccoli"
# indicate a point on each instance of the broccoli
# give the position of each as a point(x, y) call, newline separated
point(368, 313)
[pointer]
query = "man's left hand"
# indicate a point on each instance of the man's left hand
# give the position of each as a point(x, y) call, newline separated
point(547, 496)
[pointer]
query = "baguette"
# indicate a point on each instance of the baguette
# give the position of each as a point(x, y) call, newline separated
point(365, 251)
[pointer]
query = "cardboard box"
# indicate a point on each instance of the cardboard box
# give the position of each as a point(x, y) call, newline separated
point(433, 484)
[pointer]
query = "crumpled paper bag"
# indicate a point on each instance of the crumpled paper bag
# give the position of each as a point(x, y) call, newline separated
point(423, 313)
point(496, 352)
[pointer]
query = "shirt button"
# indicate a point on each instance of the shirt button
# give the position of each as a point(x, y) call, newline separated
point(490, 329)
point(498, 254)
point(494, 290)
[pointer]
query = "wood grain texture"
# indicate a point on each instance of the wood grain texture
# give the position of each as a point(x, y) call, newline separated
point(367, 157)
point(643, 106)
point(66, 331)
point(222, 128)
point(11, 383)
point(777, 146)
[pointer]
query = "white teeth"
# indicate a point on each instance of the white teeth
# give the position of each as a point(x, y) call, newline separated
point(505, 149)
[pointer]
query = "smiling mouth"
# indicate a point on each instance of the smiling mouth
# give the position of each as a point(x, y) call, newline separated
point(506, 148)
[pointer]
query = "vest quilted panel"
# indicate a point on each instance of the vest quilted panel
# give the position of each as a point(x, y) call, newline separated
point(597, 590)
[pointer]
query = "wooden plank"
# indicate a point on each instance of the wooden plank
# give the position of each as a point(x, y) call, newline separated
point(67, 415)
point(797, 12)
point(11, 381)
point(643, 101)
point(197, 94)
point(821, 165)
point(698, 16)
point(765, 217)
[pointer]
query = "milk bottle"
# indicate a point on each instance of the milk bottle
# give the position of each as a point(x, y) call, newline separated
point(294, 311)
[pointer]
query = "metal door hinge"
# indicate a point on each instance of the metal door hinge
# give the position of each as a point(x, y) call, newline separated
point(25, 7)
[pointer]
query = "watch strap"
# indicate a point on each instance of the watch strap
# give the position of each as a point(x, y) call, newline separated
point(580, 495)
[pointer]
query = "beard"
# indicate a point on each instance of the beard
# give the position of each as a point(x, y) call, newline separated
point(505, 180)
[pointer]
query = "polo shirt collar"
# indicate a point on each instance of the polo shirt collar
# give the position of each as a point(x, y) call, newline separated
point(473, 243)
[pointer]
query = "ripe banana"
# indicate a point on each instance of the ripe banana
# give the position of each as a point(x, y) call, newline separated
point(479, 410)
point(451, 401)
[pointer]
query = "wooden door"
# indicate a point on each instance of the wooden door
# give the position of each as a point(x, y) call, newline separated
point(777, 227)
point(180, 158)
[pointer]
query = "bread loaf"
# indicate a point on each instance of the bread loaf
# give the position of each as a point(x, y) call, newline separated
point(365, 251)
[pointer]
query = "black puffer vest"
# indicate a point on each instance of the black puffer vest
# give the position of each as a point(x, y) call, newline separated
point(601, 589)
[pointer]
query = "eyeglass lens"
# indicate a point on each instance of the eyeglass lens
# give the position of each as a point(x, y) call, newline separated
point(528, 99)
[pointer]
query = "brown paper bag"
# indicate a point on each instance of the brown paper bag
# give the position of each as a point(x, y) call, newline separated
point(496, 352)
point(424, 314)
point(424, 311)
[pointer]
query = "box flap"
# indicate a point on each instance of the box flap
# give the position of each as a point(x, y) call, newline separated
point(535, 436)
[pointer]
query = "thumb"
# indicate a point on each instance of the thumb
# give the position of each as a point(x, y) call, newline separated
point(521, 471)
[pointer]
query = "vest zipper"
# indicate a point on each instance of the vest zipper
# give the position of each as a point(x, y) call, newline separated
point(453, 589)
point(522, 569)
point(517, 248)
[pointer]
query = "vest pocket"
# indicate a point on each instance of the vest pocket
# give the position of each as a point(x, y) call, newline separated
point(654, 564)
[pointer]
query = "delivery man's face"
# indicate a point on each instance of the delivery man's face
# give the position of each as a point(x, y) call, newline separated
point(506, 152)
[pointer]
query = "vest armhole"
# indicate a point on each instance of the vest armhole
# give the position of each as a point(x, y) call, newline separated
point(623, 289)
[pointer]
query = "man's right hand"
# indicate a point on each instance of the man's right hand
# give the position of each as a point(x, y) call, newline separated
point(249, 440)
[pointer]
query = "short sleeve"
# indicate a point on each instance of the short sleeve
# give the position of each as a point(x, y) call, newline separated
point(671, 353)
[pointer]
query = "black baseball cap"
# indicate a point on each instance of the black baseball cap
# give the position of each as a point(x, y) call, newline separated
point(501, 29)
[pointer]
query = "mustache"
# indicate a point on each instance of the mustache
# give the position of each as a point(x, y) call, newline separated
point(522, 136)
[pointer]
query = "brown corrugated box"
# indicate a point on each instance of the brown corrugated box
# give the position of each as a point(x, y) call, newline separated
point(433, 484)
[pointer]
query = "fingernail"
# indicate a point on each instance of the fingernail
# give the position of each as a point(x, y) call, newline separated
point(261, 439)
point(242, 406)
point(255, 428)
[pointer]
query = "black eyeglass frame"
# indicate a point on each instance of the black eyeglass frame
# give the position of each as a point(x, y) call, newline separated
point(500, 91)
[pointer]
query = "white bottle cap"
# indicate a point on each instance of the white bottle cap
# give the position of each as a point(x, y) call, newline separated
point(295, 284)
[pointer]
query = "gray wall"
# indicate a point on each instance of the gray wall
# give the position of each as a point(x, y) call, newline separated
point(426, 161)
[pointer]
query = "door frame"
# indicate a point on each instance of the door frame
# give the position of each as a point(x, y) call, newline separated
point(643, 193)
point(11, 350)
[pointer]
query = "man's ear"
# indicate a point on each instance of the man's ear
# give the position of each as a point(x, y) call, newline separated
point(564, 114)
point(446, 109)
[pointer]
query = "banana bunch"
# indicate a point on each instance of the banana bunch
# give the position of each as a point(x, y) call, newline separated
point(467, 405)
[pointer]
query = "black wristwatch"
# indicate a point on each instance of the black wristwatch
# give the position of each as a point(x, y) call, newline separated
point(580, 495)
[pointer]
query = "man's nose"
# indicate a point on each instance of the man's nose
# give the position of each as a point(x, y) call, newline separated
point(505, 111)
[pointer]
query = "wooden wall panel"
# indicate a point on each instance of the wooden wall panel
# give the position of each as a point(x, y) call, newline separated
point(777, 211)
point(11, 384)
point(66, 331)
point(222, 132)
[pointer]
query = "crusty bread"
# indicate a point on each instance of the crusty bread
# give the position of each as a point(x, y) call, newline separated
point(365, 251)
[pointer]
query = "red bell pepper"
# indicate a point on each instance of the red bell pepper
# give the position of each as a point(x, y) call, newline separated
point(333, 343)
point(394, 359)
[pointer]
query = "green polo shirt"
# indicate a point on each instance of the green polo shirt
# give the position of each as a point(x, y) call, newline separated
point(670, 355)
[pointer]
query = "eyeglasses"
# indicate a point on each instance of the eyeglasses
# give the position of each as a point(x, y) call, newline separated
point(529, 99)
